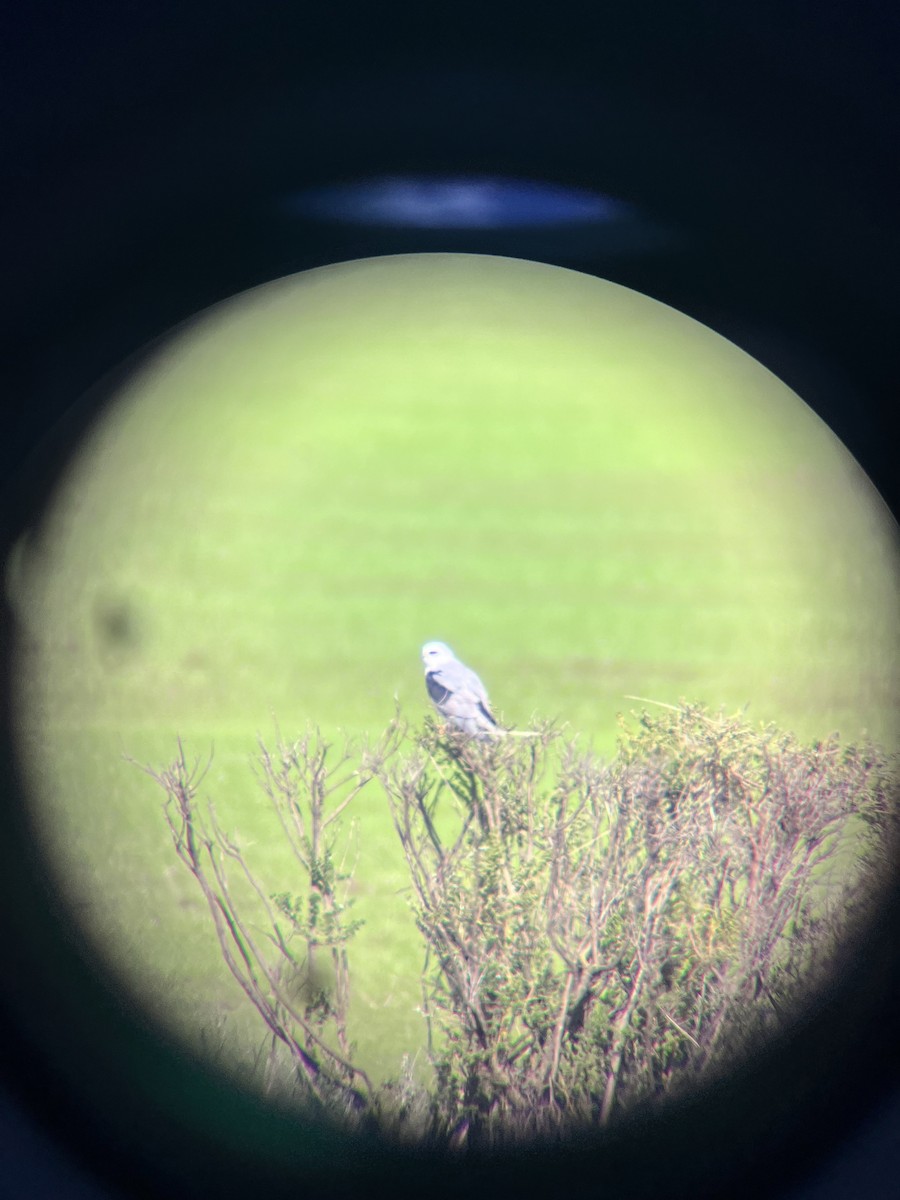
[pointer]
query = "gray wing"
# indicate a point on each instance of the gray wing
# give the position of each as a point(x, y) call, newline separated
point(474, 685)
point(477, 690)
point(439, 692)
point(459, 693)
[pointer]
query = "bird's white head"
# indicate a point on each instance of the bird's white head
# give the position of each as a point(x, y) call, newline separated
point(435, 653)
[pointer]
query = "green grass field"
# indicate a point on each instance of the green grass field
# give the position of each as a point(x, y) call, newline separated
point(587, 495)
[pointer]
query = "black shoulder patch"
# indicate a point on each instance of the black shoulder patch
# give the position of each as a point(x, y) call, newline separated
point(436, 690)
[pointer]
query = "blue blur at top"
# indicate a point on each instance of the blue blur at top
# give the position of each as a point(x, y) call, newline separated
point(456, 203)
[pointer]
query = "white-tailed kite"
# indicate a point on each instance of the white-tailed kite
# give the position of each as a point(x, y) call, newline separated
point(457, 692)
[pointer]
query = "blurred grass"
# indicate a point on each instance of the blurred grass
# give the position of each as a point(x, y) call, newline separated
point(585, 494)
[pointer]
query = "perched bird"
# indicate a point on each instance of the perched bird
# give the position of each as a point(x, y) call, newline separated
point(457, 692)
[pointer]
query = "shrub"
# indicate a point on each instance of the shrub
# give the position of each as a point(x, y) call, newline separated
point(595, 934)
point(301, 999)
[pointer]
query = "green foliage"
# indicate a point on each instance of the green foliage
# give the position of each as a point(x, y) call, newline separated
point(599, 934)
point(301, 999)
point(596, 935)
